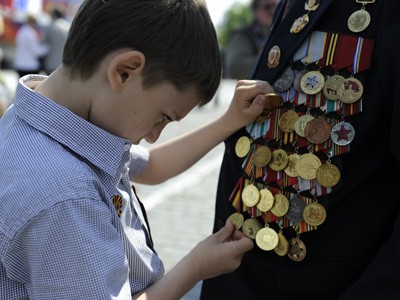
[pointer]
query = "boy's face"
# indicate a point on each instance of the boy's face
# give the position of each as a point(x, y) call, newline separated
point(145, 115)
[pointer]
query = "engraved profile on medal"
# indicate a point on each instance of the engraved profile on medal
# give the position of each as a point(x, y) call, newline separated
point(284, 82)
point(359, 20)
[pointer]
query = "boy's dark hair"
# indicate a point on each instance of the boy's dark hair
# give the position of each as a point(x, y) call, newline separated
point(177, 38)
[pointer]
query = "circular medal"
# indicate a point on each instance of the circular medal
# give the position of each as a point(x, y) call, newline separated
point(250, 228)
point(299, 23)
point(301, 123)
point(279, 160)
point(283, 245)
point(242, 146)
point(250, 195)
point(281, 205)
point(236, 219)
point(290, 169)
point(283, 83)
point(314, 214)
point(307, 166)
point(312, 82)
point(359, 20)
point(272, 101)
point(295, 212)
point(266, 200)
point(267, 239)
point(288, 120)
point(318, 130)
point(350, 90)
point(262, 156)
point(297, 249)
point(331, 87)
point(328, 175)
point(342, 133)
point(274, 56)
point(297, 80)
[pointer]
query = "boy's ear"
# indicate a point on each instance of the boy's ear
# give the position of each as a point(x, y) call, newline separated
point(123, 67)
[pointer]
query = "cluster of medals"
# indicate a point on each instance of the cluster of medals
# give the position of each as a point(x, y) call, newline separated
point(290, 151)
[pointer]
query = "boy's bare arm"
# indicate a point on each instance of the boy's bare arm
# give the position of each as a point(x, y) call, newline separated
point(173, 157)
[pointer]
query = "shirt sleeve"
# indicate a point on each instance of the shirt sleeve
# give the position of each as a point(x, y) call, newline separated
point(70, 251)
point(139, 160)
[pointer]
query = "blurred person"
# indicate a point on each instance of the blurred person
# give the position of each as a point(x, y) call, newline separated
point(326, 224)
point(54, 35)
point(28, 48)
point(245, 43)
point(71, 225)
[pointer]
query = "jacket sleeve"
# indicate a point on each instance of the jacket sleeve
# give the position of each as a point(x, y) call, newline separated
point(380, 279)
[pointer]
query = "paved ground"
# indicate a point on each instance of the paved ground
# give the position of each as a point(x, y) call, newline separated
point(181, 210)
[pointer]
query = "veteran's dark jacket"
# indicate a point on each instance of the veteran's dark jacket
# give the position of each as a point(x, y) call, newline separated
point(355, 254)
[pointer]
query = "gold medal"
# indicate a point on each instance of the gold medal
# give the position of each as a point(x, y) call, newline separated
point(283, 245)
point(287, 121)
point(281, 205)
point(290, 169)
point(274, 56)
point(350, 90)
point(312, 82)
point(250, 195)
point(318, 130)
point(250, 228)
point(242, 146)
point(262, 156)
point(301, 123)
point(328, 175)
point(272, 101)
point(314, 214)
point(331, 87)
point(236, 219)
point(267, 239)
point(300, 23)
point(297, 250)
point(279, 160)
point(307, 166)
point(266, 200)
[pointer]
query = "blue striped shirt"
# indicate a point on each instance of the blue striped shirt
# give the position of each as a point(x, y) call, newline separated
point(70, 225)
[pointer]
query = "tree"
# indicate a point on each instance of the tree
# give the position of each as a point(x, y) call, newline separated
point(238, 15)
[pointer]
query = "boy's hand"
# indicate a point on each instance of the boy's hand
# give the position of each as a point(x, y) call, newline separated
point(220, 253)
point(247, 103)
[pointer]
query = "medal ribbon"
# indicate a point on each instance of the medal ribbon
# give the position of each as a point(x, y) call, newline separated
point(315, 48)
point(329, 50)
point(363, 55)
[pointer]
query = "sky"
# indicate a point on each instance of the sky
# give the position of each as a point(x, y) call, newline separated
point(217, 8)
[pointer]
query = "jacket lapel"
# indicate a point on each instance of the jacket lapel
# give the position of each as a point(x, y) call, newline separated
point(287, 42)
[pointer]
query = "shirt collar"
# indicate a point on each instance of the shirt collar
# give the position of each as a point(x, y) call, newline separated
point(103, 149)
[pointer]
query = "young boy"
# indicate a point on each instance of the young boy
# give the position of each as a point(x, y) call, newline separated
point(71, 226)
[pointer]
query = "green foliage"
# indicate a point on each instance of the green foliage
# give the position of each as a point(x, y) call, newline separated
point(238, 15)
